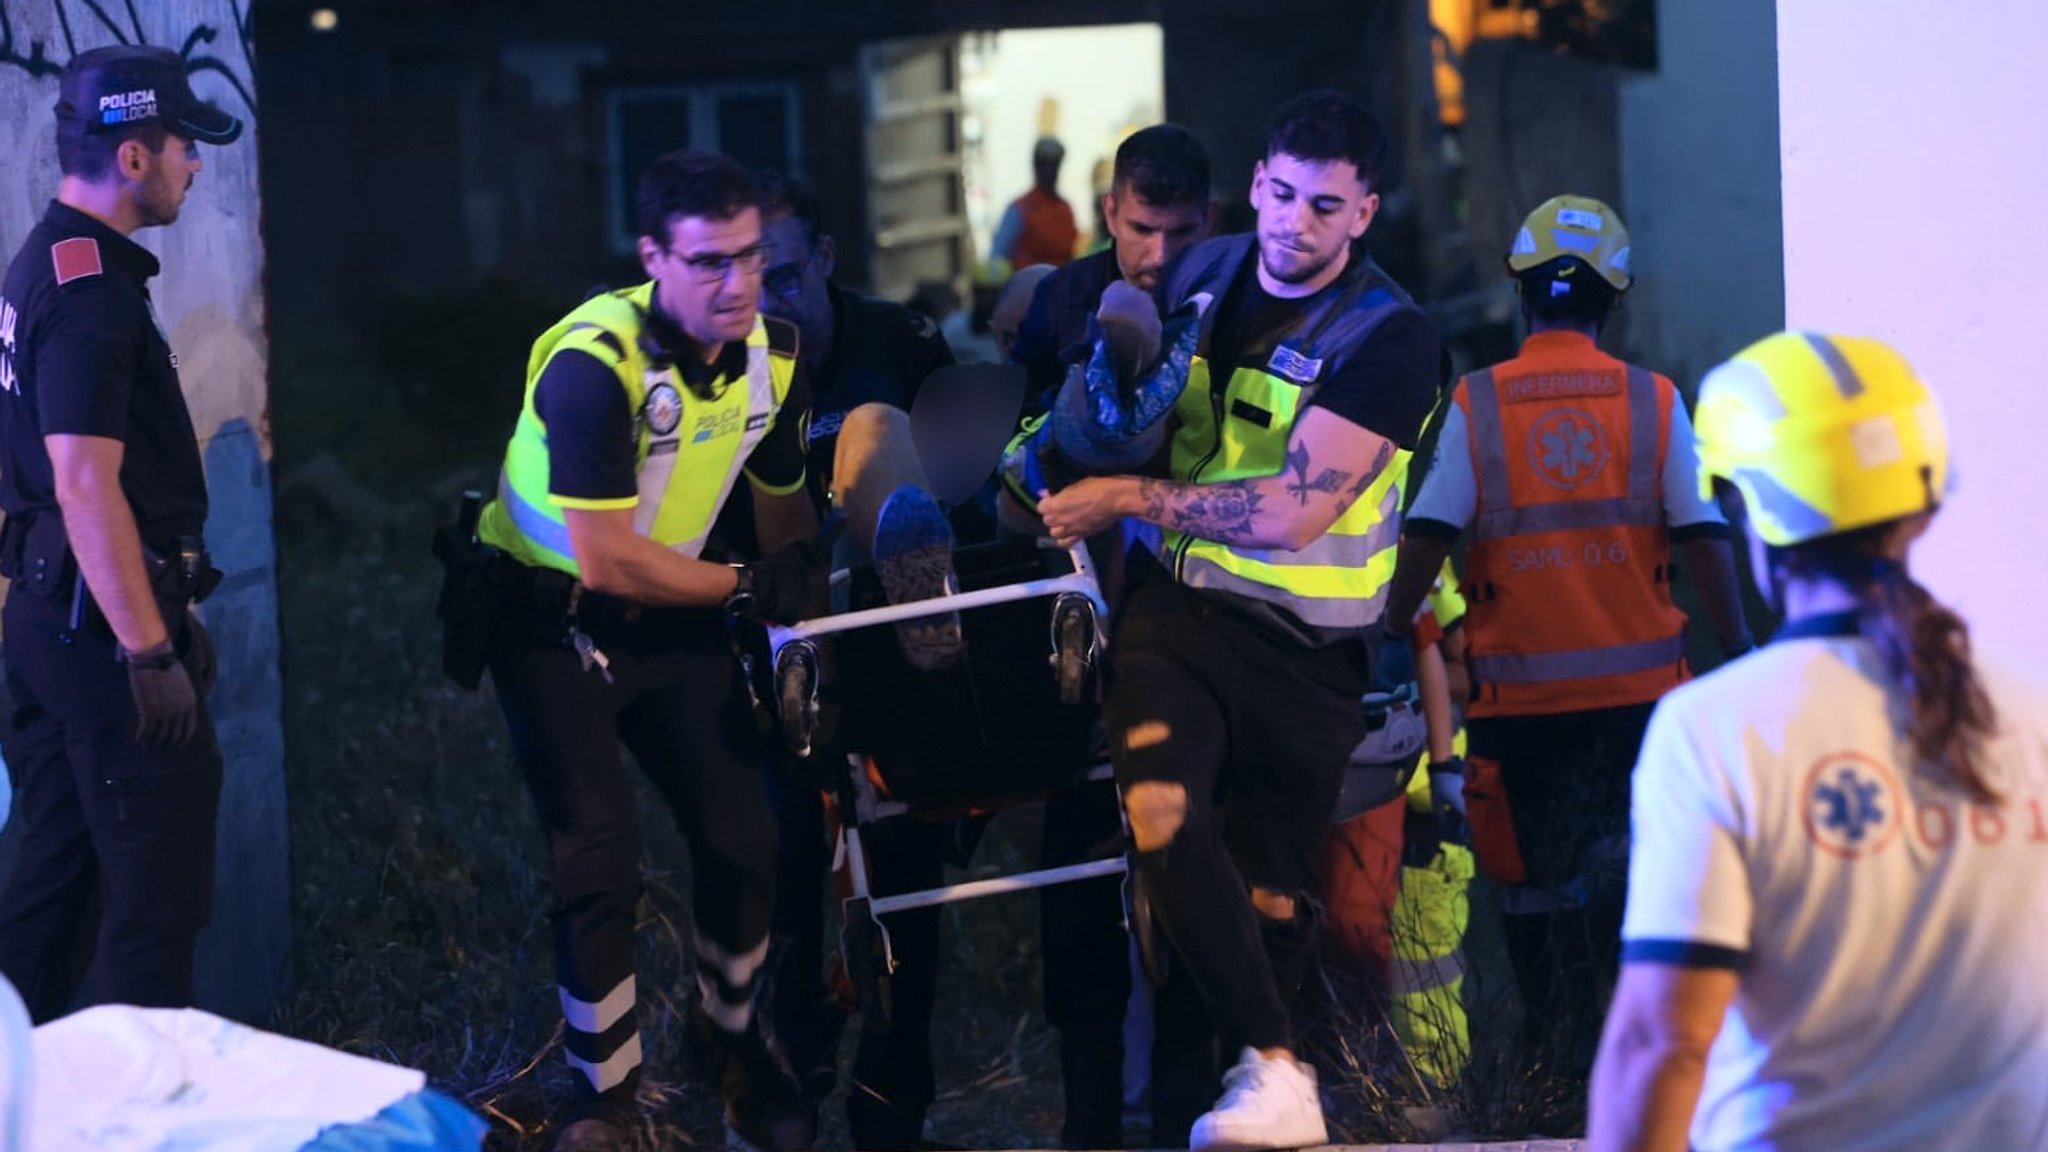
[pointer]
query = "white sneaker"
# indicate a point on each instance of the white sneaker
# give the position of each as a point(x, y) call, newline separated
point(1266, 1104)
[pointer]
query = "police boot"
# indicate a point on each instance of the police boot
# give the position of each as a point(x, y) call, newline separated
point(766, 1106)
point(604, 1123)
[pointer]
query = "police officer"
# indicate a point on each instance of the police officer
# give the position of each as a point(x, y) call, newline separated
point(116, 770)
point(1157, 207)
point(643, 408)
point(865, 360)
point(1240, 654)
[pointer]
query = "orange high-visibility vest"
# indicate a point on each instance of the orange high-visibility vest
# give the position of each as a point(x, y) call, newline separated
point(1569, 576)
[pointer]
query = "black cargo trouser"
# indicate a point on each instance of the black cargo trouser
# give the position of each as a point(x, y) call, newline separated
point(677, 701)
point(115, 877)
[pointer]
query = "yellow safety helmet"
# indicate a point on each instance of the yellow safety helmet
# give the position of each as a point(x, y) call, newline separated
point(1579, 227)
point(1822, 434)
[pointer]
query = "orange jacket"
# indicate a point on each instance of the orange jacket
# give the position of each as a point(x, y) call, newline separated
point(1049, 234)
point(1569, 576)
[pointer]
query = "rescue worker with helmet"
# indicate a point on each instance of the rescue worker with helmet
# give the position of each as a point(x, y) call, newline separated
point(1396, 874)
point(1573, 470)
point(1837, 889)
point(643, 407)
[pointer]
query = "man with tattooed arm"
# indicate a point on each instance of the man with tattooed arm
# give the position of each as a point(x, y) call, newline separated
point(1243, 646)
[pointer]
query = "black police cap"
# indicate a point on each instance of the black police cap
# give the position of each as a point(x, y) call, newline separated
point(107, 89)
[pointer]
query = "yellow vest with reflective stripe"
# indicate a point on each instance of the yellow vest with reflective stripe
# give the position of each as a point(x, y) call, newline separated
point(687, 450)
point(1337, 585)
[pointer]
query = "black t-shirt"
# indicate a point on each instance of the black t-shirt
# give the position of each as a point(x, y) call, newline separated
point(81, 354)
point(881, 354)
point(591, 443)
point(1051, 334)
point(1387, 386)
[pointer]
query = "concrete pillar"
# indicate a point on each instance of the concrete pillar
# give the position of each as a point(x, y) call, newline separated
point(210, 302)
point(1913, 170)
point(1699, 176)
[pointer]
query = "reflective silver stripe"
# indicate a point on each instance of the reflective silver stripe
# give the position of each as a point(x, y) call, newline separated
point(1416, 976)
point(728, 1015)
point(736, 969)
point(1340, 613)
point(1643, 473)
point(533, 523)
point(1569, 516)
point(1847, 382)
point(1577, 663)
point(585, 1016)
point(1489, 445)
point(612, 1072)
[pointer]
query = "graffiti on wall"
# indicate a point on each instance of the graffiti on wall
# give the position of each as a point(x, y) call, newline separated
point(229, 53)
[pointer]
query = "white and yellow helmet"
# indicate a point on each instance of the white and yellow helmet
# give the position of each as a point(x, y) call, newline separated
point(1821, 434)
point(1579, 227)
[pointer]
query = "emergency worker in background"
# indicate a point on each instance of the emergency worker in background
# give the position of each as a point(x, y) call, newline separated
point(1573, 471)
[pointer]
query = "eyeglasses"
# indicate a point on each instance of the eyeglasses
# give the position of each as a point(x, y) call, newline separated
point(785, 281)
point(712, 267)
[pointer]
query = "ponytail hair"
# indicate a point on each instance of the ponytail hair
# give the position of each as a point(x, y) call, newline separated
point(1923, 646)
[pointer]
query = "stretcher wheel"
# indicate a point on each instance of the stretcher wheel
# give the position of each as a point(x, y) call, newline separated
point(861, 947)
point(1073, 639)
point(796, 690)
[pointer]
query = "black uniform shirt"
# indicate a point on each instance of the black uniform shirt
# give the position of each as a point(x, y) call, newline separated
point(81, 354)
point(881, 353)
point(1054, 327)
point(1387, 386)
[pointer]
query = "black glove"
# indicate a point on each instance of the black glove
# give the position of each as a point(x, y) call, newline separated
point(166, 707)
point(1396, 666)
point(200, 651)
point(793, 584)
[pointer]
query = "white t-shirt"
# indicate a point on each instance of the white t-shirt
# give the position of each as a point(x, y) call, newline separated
point(1892, 937)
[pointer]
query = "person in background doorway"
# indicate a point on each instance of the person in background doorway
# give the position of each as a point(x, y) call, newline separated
point(1038, 227)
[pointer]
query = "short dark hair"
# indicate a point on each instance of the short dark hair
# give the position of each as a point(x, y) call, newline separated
point(1325, 124)
point(688, 182)
point(1567, 291)
point(90, 155)
point(1164, 164)
point(786, 195)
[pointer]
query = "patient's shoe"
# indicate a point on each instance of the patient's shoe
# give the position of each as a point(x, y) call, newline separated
point(914, 561)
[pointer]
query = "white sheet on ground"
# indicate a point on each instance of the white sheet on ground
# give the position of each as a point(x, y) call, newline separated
point(121, 1079)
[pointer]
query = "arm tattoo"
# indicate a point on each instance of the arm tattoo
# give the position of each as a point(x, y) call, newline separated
point(1380, 460)
point(1328, 481)
point(1226, 513)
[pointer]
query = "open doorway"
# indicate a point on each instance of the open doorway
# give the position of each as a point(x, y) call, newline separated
point(952, 126)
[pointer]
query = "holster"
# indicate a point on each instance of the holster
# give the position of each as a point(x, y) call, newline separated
point(474, 582)
point(35, 552)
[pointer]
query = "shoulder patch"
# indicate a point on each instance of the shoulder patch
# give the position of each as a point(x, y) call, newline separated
point(782, 335)
point(76, 258)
